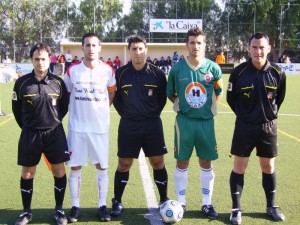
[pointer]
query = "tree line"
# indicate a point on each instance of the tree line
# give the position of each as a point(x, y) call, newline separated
point(227, 23)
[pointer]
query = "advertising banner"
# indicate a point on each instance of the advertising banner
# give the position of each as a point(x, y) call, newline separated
point(174, 25)
point(289, 68)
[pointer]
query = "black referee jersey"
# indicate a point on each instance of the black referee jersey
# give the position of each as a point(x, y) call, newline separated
point(254, 95)
point(39, 104)
point(140, 94)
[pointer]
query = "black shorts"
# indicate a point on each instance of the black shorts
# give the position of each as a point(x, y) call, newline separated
point(136, 134)
point(248, 135)
point(51, 142)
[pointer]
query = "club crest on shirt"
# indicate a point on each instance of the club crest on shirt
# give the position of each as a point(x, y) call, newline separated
point(207, 77)
point(195, 95)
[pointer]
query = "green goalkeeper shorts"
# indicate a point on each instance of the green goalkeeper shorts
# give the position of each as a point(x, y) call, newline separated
point(198, 133)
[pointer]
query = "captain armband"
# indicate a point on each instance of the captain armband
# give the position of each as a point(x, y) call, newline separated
point(112, 89)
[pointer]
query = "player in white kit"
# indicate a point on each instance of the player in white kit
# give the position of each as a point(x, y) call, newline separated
point(92, 87)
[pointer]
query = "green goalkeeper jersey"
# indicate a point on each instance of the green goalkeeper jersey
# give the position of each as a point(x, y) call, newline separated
point(195, 88)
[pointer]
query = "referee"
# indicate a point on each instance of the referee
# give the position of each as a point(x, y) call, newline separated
point(256, 90)
point(39, 103)
point(140, 98)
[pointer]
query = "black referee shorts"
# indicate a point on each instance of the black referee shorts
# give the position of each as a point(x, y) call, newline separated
point(136, 134)
point(247, 136)
point(51, 142)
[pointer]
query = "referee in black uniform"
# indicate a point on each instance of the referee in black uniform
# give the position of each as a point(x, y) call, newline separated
point(255, 93)
point(39, 103)
point(140, 98)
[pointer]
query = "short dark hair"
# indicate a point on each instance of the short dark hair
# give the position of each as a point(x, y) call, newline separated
point(40, 47)
point(194, 32)
point(259, 35)
point(136, 39)
point(89, 35)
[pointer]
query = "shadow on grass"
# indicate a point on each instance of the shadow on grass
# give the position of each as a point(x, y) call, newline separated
point(224, 217)
point(131, 216)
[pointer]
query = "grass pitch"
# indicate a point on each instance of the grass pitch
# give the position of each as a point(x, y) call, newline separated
point(134, 200)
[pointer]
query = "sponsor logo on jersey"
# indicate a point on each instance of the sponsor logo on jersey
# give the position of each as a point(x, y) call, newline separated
point(195, 95)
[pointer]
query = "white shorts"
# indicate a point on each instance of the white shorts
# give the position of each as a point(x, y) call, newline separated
point(85, 146)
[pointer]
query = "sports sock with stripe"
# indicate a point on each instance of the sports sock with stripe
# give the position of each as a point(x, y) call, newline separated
point(59, 191)
point(236, 182)
point(26, 187)
point(161, 181)
point(269, 185)
point(121, 179)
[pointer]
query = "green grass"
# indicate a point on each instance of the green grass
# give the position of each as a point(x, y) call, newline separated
point(253, 200)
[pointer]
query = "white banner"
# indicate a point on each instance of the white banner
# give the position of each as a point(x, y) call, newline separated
point(174, 25)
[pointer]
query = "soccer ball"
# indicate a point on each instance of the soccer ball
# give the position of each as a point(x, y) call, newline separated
point(171, 211)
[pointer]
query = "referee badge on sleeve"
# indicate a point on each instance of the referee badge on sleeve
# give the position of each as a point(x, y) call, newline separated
point(14, 96)
point(229, 88)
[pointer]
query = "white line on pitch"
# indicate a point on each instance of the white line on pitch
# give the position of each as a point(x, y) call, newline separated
point(153, 216)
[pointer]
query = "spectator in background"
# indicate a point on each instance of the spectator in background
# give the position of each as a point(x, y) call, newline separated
point(69, 58)
point(285, 59)
point(149, 60)
point(175, 57)
point(75, 60)
point(117, 63)
point(243, 59)
point(6, 60)
point(220, 59)
point(168, 64)
point(155, 62)
point(61, 62)
point(53, 61)
point(109, 62)
point(163, 64)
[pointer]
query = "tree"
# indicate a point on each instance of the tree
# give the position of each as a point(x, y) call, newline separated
point(93, 16)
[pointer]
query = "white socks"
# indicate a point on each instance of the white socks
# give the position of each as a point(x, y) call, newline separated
point(207, 178)
point(180, 180)
point(75, 184)
point(102, 181)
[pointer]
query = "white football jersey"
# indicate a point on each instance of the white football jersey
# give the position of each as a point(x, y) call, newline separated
point(89, 100)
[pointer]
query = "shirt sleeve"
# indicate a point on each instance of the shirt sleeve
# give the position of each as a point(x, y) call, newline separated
point(282, 89)
point(162, 97)
point(170, 92)
point(218, 84)
point(64, 100)
point(68, 82)
point(17, 105)
point(111, 78)
point(117, 100)
point(231, 94)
